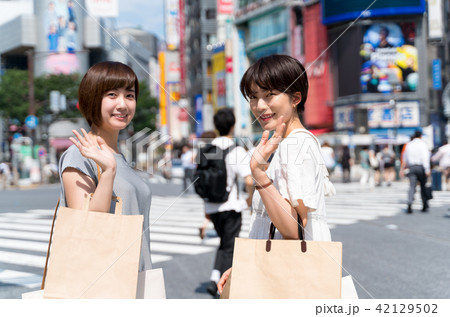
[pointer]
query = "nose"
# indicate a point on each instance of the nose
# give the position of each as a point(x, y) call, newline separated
point(120, 100)
point(261, 105)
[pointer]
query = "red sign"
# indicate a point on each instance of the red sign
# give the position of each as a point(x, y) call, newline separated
point(229, 64)
point(225, 6)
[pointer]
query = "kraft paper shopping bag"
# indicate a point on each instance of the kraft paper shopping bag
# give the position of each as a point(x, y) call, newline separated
point(94, 255)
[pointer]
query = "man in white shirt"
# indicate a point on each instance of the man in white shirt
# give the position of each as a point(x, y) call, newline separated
point(416, 158)
point(226, 216)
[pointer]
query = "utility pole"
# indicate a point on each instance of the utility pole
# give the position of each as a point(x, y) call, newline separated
point(31, 106)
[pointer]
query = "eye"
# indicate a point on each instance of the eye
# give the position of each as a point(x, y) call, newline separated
point(111, 94)
point(251, 97)
point(131, 96)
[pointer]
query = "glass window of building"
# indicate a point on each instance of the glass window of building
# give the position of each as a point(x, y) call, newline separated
point(267, 26)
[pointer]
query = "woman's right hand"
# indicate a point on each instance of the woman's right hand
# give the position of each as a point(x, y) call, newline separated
point(223, 280)
point(95, 148)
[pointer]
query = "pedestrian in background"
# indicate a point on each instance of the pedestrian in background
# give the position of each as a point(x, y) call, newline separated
point(416, 166)
point(366, 170)
point(328, 156)
point(205, 138)
point(226, 216)
point(388, 158)
point(346, 163)
point(107, 98)
point(187, 162)
point(443, 157)
point(277, 88)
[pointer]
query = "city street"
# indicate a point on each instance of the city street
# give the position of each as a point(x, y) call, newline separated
point(389, 253)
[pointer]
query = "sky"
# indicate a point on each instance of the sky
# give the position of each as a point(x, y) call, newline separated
point(148, 14)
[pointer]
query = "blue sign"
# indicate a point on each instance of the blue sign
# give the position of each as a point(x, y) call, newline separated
point(31, 122)
point(198, 114)
point(437, 74)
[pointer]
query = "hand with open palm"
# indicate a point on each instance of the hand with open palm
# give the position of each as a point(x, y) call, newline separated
point(95, 148)
point(265, 148)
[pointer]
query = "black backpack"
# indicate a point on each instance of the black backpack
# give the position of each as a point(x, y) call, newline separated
point(210, 178)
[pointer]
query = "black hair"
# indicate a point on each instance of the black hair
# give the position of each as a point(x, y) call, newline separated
point(277, 72)
point(417, 134)
point(224, 120)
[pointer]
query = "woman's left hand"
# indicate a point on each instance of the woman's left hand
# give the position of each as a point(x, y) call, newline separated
point(265, 148)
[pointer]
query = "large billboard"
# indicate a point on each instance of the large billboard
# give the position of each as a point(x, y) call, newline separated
point(59, 37)
point(389, 58)
point(337, 10)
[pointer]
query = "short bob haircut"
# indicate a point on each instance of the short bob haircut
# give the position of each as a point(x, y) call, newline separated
point(277, 72)
point(98, 80)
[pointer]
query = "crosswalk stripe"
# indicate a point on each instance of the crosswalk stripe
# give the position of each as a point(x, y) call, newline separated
point(28, 280)
point(24, 235)
point(179, 249)
point(45, 222)
point(25, 227)
point(22, 259)
point(24, 245)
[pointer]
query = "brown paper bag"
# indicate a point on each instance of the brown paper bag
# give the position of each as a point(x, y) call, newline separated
point(94, 255)
point(285, 269)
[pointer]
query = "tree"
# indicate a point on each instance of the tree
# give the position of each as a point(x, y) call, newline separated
point(146, 109)
point(14, 94)
point(66, 84)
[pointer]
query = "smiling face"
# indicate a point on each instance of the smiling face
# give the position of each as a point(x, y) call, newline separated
point(118, 108)
point(267, 106)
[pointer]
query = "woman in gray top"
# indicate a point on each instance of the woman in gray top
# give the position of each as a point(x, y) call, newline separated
point(107, 99)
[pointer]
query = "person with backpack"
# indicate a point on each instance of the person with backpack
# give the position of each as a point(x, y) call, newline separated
point(220, 165)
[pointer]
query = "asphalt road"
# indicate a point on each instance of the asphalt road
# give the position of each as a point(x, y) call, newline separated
point(397, 256)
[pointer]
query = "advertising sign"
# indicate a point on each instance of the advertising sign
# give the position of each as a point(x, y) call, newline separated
point(389, 58)
point(103, 8)
point(435, 19)
point(172, 15)
point(218, 77)
point(337, 10)
point(59, 36)
point(225, 6)
point(344, 117)
point(436, 70)
point(383, 115)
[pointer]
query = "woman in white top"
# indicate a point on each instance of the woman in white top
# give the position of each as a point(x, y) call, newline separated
point(295, 181)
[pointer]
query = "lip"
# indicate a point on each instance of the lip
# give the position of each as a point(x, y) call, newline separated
point(120, 117)
point(265, 118)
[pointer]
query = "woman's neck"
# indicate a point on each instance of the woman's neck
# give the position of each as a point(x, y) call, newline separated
point(292, 125)
point(110, 137)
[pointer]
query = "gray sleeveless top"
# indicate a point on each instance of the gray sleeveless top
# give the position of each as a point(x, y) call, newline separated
point(134, 191)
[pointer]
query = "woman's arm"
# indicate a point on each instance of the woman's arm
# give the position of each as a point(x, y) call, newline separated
point(78, 185)
point(282, 214)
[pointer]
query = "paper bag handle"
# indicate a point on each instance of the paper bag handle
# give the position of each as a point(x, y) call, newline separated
point(301, 234)
point(301, 230)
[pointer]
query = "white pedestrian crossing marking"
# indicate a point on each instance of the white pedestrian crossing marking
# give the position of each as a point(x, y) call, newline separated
point(175, 223)
point(28, 280)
